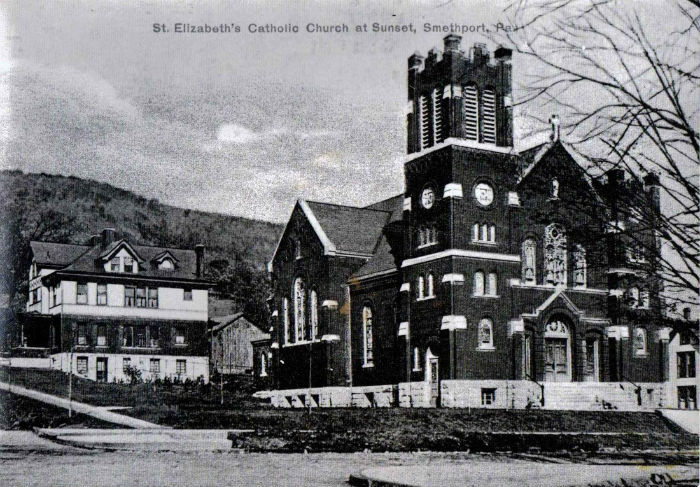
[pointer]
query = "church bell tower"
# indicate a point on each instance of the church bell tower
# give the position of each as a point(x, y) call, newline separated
point(454, 95)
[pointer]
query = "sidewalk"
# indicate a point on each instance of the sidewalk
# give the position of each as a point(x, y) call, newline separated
point(96, 412)
point(687, 419)
point(522, 475)
point(142, 439)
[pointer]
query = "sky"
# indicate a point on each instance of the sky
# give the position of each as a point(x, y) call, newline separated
point(241, 123)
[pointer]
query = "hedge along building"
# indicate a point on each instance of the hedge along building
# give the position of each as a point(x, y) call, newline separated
point(498, 279)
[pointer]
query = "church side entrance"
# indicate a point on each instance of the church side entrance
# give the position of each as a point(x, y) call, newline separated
point(557, 348)
point(432, 376)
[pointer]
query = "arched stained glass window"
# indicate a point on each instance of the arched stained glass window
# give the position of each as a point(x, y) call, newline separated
point(528, 261)
point(299, 309)
point(555, 255)
point(478, 283)
point(640, 341)
point(580, 266)
point(485, 333)
point(313, 318)
point(367, 338)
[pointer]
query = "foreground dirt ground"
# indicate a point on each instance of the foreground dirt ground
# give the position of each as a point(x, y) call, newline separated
point(29, 461)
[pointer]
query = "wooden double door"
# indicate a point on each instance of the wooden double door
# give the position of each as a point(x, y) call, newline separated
point(556, 363)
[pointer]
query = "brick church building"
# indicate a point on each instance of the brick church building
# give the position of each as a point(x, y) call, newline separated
point(499, 278)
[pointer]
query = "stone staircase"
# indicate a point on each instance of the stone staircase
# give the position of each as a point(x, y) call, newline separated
point(591, 396)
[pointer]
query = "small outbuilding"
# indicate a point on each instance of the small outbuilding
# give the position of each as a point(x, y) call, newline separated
point(232, 338)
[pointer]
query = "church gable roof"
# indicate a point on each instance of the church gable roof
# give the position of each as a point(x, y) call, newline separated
point(383, 260)
point(553, 159)
point(350, 229)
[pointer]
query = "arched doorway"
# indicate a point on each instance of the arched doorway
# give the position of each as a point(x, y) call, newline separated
point(557, 351)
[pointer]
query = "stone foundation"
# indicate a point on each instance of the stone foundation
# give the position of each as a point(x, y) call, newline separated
point(495, 394)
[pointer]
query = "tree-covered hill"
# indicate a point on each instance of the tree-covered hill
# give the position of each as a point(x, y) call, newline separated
point(70, 209)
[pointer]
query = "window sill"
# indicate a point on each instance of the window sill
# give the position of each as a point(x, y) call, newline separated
point(484, 242)
point(492, 296)
point(417, 370)
point(124, 347)
point(367, 366)
point(486, 349)
point(641, 355)
point(425, 246)
point(299, 344)
point(426, 298)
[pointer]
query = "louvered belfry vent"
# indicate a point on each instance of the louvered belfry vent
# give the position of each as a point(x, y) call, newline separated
point(453, 96)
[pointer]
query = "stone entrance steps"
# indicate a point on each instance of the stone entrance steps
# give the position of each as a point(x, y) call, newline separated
point(603, 396)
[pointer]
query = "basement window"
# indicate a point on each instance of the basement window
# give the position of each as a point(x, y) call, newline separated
point(488, 396)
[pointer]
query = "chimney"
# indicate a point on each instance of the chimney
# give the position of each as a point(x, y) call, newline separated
point(686, 314)
point(94, 240)
point(109, 235)
point(452, 42)
point(554, 122)
point(199, 252)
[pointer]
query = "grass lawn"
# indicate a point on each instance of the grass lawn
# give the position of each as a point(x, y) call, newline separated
point(21, 413)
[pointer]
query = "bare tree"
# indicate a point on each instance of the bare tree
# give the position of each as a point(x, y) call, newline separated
point(627, 84)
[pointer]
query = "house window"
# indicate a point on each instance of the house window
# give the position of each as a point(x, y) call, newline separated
point(687, 397)
point(488, 396)
point(470, 124)
point(83, 335)
point(141, 297)
point(635, 254)
point(644, 299)
point(367, 338)
point(484, 232)
point(128, 337)
point(126, 364)
point(580, 266)
point(687, 338)
point(486, 333)
point(491, 288)
point(141, 337)
point(633, 297)
point(154, 336)
point(313, 318)
point(181, 368)
point(129, 296)
point(263, 364)
point(299, 309)
point(102, 294)
point(478, 283)
point(640, 342)
point(166, 265)
point(155, 367)
point(555, 255)
point(180, 335)
point(56, 295)
point(488, 120)
point(101, 336)
point(437, 115)
point(686, 364)
point(417, 365)
point(187, 294)
point(82, 366)
point(152, 297)
point(128, 264)
point(115, 265)
point(82, 297)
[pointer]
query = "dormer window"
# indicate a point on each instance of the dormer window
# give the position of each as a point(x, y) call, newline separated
point(130, 265)
point(115, 265)
point(166, 265)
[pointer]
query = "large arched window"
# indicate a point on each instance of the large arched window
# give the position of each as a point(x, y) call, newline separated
point(486, 333)
point(555, 255)
point(528, 261)
point(367, 338)
point(437, 115)
point(488, 114)
point(580, 266)
point(299, 309)
point(288, 335)
point(313, 317)
point(478, 283)
point(471, 113)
